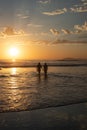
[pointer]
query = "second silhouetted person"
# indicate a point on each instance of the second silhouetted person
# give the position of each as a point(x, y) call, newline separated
point(45, 68)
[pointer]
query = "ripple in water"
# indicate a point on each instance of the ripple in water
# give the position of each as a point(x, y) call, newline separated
point(23, 89)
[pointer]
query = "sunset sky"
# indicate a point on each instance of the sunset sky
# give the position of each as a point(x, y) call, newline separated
point(43, 29)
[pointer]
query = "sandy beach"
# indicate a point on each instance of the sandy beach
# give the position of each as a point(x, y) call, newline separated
point(71, 117)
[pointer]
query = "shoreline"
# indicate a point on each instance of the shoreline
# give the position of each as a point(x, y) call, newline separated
point(46, 107)
point(65, 117)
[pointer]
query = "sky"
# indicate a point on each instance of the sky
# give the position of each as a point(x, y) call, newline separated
point(43, 29)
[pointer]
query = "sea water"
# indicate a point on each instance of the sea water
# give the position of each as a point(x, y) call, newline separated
point(21, 88)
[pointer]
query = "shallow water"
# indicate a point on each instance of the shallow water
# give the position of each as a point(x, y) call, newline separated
point(23, 89)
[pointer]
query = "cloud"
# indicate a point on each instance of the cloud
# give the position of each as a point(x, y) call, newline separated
point(64, 41)
point(55, 12)
point(34, 25)
point(54, 32)
point(77, 31)
point(84, 2)
point(44, 33)
point(44, 42)
point(9, 31)
point(66, 31)
point(81, 28)
point(56, 42)
point(25, 17)
point(22, 16)
point(83, 36)
point(80, 8)
point(44, 1)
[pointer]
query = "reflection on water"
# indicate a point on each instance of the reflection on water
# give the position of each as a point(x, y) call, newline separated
point(13, 71)
point(23, 89)
point(46, 77)
point(14, 95)
point(18, 89)
point(13, 80)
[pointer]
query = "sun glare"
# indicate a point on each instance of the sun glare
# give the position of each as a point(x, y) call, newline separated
point(13, 51)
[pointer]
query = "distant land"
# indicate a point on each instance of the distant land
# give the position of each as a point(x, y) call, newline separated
point(73, 59)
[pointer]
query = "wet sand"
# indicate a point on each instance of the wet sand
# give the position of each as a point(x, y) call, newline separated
point(70, 117)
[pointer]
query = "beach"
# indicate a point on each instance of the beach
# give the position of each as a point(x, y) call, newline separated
point(43, 64)
point(32, 101)
point(71, 117)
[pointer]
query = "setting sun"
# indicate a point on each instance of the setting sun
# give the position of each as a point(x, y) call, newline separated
point(13, 51)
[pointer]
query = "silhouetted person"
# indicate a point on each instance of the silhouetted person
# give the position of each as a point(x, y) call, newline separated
point(45, 68)
point(39, 68)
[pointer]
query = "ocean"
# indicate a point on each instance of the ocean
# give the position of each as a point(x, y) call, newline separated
point(22, 89)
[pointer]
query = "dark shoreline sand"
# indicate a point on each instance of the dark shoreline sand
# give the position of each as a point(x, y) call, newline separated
point(70, 117)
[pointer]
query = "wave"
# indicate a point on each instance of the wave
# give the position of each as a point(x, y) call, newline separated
point(3, 76)
point(33, 63)
point(44, 106)
point(7, 76)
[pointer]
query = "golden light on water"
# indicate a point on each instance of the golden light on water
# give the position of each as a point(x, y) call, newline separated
point(13, 60)
point(13, 71)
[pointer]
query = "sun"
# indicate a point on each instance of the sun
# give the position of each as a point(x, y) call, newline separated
point(13, 51)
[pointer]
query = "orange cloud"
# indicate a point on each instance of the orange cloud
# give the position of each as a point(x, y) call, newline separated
point(66, 31)
point(54, 31)
point(9, 31)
